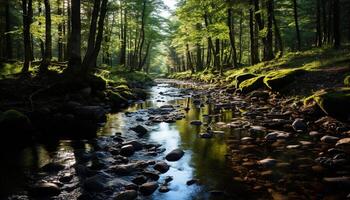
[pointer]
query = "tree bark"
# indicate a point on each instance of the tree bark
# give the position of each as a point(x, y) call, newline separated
point(296, 21)
point(254, 48)
point(318, 24)
point(336, 27)
point(75, 37)
point(48, 38)
point(268, 50)
point(124, 28)
point(142, 34)
point(27, 20)
point(60, 32)
point(278, 37)
point(231, 27)
point(8, 38)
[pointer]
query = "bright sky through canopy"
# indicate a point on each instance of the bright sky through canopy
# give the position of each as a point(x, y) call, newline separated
point(171, 4)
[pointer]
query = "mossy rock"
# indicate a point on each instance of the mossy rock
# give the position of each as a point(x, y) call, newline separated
point(16, 126)
point(334, 102)
point(277, 80)
point(252, 84)
point(97, 83)
point(242, 77)
point(140, 93)
point(347, 81)
point(116, 99)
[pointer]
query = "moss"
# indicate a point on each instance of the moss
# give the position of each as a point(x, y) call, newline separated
point(116, 98)
point(334, 102)
point(243, 77)
point(252, 84)
point(277, 80)
point(347, 81)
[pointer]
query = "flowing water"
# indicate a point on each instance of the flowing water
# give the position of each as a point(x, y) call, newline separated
point(204, 159)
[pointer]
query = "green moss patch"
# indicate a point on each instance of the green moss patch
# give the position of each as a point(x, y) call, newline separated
point(334, 102)
point(252, 84)
point(243, 77)
point(347, 81)
point(277, 80)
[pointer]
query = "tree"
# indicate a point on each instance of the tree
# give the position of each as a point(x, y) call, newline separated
point(232, 34)
point(336, 21)
point(296, 21)
point(48, 38)
point(27, 8)
point(75, 37)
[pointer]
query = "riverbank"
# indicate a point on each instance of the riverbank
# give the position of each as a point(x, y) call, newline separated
point(40, 107)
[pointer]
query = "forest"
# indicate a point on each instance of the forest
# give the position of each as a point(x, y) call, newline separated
point(174, 99)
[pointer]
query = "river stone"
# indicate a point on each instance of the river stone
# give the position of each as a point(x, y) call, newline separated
point(52, 167)
point(164, 189)
point(344, 144)
point(97, 183)
point(151, 175)
point(148, 188)
point(136, 144)
point(196, 122)
point(257, 130)
point(329, 139)
point(316, 134)
point(206, 135)
point(45, 189)
point(161, 166)
point(268, 162)
point(344, 181)
point(277, 135)
point(140, 130)
point(175, 155)
point(126, 195)
point(127, 150)
point(192, 181)
point(299, 125)
point(139, 180)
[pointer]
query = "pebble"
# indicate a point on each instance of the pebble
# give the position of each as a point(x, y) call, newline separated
point(162, 167)
point(329, 139)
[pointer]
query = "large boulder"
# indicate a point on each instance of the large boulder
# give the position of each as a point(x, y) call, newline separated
point(252, 84)
point(242, 77)
point(277, 80)
point(97, 83)
point(334, 102)
point(174, 155)
point(94, 113)
point(117, 99)
point(44, 190)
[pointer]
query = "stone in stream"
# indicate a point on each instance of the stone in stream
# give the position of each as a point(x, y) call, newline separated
point(329, 139)
point(206, 135)
point(340, 181)
point(164, 189)
point(277, 135)
point(44, 190)
point(140, 130)
point(139, 180)
point(344, 144)
point(175, 155)
point(192, 181)
point(52, 167)
point(196, 122)
point(126, 195)
point(299, 125)
point(127, 150)
point(148, 188)
point(268, 162)
point(161, 166)
point(257, 130)
point(97, 183)
point(315, 134)
point(136, 144)
point(151, 175)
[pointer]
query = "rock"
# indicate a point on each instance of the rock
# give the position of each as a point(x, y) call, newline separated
point(344, 144)
point(164, 189)
point(242, 77)
point(86, 92)
point(206, 135)
point(44, 190)
point(148, 188)
point(126, 195)
point(168, 179)
point(95, 113)
point(66, 178)
point(278, 79)
point(252, 84)
point(259, 94)
point(196, 122)
point(277, 135)
point(161, 166)
point(140, 130)
point(299, 125)
point(192, 181)
point(267, 162)
point(52, 167)
point(296, 146)
point(139, 180)
point(152, 175)
point(127, 150)
point(340, 181)
point(329, 139)
point(316, 134)
point(216, 192)
point(257, 130)
point(15, 126)
point(175, 155)
point(136, 144)
point(247, 139)
point(97, 183)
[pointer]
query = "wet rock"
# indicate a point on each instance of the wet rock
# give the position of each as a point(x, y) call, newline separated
point(340, 181)
point(168, 179)
point(344, 144)
point(175, 155)
point(192, 181)
point(95, 113)
point(315, 134)
point(139, 180)
point(44, 190)
point(126, 195)
point(164, 189)
point(196, 122)
point(148, 188)
point(206, 135)
point(329, 139)
point(161, 166)
point(247, 139)
point(257, 130)
point(267, 162)
point(137, 145)
point(151, 175)
point(140, 130)
point(277, 135)
point(66, 178)
point(296, 146)
point(97, 183)
point(52, 167)
point(299, 125)
point(127, 150)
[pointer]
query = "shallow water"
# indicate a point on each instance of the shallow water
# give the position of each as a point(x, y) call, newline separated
point(203, 160)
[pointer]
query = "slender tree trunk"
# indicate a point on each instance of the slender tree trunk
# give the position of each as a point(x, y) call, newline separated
point(8, 38)
point(124, 39)
point(336, 27)
point(217, 63)
point(296, 21)
point(230, 24)
point(269, 38)
point(142, 33)
point(60, 32)
point(240, 38)
point(75, 37)
point(318, 24)
point(278, 37)
point(27, 19)
point(48, 38)
point(189, 59)
point(254, 48)
point(324, 21)
point(211, 50)
point(148, 47)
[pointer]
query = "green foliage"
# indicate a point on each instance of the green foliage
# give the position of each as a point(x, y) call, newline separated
point(347, 81)
point(252, 84)
point(277, 80)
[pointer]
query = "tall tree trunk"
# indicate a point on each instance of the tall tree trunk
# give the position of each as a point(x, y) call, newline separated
point(48, 38)
point(278, 37)
point(336, 27)
point(75, 37)
point(254, 48)
point(324, 21)
point(296, 21)
point(231, 27)
point(145, 58)
point(217, 63)
point(189, 59)
point(60, 32)
point(27, 20)
point(240, 38)
point(124, 28)
point(318, 24)
point(8, 38)
point(269, 38)
point(142, 34)
point(211, 50)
